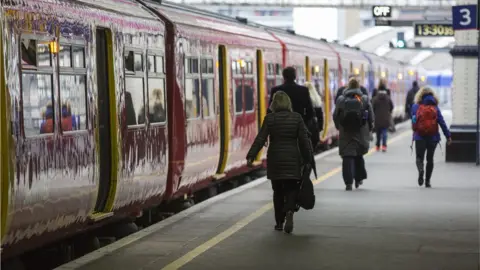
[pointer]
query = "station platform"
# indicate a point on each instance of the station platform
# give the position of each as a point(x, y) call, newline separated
point(388, 223)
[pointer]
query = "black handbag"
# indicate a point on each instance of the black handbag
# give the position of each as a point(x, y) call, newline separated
point(306, 192)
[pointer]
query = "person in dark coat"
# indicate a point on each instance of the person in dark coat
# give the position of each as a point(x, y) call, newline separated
point(300, 98)
point(382, 108)
point(382, 86)
point(318, 108)
point(353, 146)
point(289, 150)
point(427, 144)
point(341, 89)
point(410, 100)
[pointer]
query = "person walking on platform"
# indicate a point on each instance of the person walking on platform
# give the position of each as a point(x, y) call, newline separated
point(426, 117)
point(353, 117)
point(382, 108)
point(288, 152)
point(411, 98)
point(341, 89)
point(318, 109)
point(382, 86)
point(301, 101)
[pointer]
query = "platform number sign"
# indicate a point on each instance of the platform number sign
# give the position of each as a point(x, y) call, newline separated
point(464, 17)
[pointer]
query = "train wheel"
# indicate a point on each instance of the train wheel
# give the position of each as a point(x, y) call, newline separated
point(123, 229)
point(85, 245)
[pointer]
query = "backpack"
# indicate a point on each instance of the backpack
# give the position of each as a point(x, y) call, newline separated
point(426, 120)
point(352, 120)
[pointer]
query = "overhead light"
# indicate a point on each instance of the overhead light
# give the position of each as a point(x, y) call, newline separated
point(422, 78)
point(317, 69)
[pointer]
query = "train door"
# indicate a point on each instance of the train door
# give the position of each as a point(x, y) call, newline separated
point(224, 108)
point(104, 117)
point(4, 149)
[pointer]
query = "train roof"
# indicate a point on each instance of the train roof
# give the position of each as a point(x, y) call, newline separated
point(124, 13)
point(298, 42)
point(207, 25)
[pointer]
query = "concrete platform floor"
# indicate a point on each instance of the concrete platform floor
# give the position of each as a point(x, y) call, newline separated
point(389, 223)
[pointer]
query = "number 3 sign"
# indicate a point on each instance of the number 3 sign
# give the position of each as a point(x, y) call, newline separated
point(464, 17)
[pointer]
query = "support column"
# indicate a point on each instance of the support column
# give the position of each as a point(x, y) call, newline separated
point(464, 94)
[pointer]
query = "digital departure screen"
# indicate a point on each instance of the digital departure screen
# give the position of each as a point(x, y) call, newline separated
point(433, 30)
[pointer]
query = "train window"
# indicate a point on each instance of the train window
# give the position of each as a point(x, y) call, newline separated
point(278, 69)
point(208, 97)
point(238, 86)
point(64, 55)
point(210, 66)
point(73, 87)
point(249, 68)
point(203, 65)
point(134, 100)
point(192, 98)
point(35, 53)
point(156, 104)
point(78, 57)
point(248, 90)
point(269, 69)
point(38, 109)
point(138, 58)
point(159, 64)
point(207, 88)
point(129, 63)
point(73, 96)
point(192, 65)
point(151, 63)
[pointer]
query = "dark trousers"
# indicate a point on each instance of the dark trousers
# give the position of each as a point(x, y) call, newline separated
point(353, 168)
point(284, 197)
point(382, 136)
point(428, 147)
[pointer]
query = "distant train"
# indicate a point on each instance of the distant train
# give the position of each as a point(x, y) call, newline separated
point(111, 107)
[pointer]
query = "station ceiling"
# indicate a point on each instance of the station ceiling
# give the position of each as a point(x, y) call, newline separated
point(376, 40)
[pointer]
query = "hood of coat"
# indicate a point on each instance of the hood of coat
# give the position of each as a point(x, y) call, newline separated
point(382, 95)
point(426, 96)
point(355, 91)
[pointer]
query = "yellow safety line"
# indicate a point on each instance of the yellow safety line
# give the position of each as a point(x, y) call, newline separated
point(247, 220)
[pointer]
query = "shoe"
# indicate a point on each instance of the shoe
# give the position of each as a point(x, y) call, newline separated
point(427, 184)
point(358, 183)
point(384, 148)
point(420, 178)
point(289, 222)
point(279, 227)
point(377, 148)
point(349, 187)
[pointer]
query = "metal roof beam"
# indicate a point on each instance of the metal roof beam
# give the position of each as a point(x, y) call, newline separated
point(325, 3)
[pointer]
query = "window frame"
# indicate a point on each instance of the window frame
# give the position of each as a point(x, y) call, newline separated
point(243, 75)
point(135, 74)
point(36, 70)
point(207, 76)
point(193, 76)
point(74, 71)
point(156, 75)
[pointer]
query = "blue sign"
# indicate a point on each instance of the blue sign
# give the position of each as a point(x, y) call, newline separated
point(464, 17)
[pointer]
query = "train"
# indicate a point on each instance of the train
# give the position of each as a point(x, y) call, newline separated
point(112, 107)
